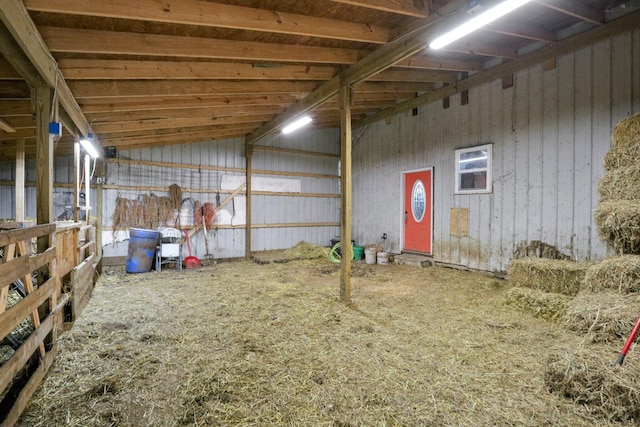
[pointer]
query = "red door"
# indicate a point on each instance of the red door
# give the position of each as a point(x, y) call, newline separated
point(418, 200)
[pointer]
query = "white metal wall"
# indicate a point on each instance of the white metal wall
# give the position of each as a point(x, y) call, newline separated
point(268, 210)
point(63, 174)
point(550, 132)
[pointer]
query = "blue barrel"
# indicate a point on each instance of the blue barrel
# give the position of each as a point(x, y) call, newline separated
point(142, 250)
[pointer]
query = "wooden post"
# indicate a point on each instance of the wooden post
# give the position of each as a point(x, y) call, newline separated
point(99, 220)
point(20, 170)
point(76, 179)
point(44, 161)
point(345, 186)
point(249, 153)
point(87, 186)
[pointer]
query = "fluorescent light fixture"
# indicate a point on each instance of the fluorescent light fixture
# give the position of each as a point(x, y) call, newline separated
point(478, 22)
point(89, 148)
point(297, 124)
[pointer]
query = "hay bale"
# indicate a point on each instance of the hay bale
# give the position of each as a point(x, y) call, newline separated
point(618, 224)
point(545, 305)
point(305, 250)
point(621, 184)
point(549, 275)
point(588, 378)
point(621, 274)
point(627, 132)
point(621, 156)
point(603, 317)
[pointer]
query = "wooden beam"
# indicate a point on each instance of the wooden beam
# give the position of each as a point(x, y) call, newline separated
point(249, 155)
point(576, 9)
point(7, 72)
point(209, 14)
point(400, 7)
point(175, 125)
point(15, 108)
point(521, 30)
point(123, 43)
point(146, 88)
point(160, 141)
point(400, 75)
point(135, 103)
point(379, 60)
point(14, 89)
point(345, 188)
point(17, 20)
point(291, 151)
point(101, 69)
point(183, 113)
point(471, 46)
point(20, 178)
point(6, 127)
point(432, 62)
point(626, 23)
point(44, 162)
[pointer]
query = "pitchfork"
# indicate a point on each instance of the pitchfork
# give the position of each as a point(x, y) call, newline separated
point(627, 345)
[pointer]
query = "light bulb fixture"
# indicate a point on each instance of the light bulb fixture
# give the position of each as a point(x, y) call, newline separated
point(297, 124)
point(88, 146)
point(478, 22)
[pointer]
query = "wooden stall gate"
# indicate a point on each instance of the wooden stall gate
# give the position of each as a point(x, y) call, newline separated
point(77, 263)
point(27, 305)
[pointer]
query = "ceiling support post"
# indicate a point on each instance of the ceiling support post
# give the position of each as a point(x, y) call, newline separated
point(44, 160)
point(345, 190)
point(249, 154)
point(20, 177)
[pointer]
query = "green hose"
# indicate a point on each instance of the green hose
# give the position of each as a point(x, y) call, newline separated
point(334, 256)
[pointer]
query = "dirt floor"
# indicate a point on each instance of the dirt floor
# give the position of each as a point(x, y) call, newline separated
point(240, 343)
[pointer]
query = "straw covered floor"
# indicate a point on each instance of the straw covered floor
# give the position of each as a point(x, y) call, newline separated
point(242, 343)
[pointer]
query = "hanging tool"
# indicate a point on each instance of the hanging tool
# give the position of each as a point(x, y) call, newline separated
point(627, 345)
point(208, 257)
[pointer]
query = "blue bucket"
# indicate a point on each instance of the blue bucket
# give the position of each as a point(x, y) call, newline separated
point(142, 250)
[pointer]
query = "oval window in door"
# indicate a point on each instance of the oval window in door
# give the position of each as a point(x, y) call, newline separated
point(418, 201)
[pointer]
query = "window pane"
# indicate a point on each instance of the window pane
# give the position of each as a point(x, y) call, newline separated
point(473, 160)
point(473, 181)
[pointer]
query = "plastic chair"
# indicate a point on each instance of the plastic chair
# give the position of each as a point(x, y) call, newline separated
point(168, 250)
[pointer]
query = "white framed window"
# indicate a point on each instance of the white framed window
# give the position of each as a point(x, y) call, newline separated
point(473, 170)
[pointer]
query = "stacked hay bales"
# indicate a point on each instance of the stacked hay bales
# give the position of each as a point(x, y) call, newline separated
point(544, 287)
point(608, 303)
point(618, 213)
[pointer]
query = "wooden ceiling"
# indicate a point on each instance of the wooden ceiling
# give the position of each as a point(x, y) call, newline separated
point(157, 72)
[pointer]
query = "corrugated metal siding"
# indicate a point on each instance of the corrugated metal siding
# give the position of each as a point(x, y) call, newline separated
point(550, 132)
point(293, 209)
point(266, 209)
point(63, 174)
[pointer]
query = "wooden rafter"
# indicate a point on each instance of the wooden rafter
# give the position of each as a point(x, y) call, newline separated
point(117, 88)
point(379, 60)
point(576, 9)
point(124, 43)
point(621, 25)
point(402, 7)
point(97, 69)
point(471, 46)
point(202, 13)
point(521, 30)
point(16, 19)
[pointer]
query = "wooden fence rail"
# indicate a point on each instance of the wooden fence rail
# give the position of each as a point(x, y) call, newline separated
point(26, 304)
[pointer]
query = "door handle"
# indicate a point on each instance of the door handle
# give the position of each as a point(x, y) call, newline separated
point(406, 216)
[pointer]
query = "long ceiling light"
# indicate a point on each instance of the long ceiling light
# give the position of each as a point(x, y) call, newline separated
point(297, 124)
point(478, 22)
point(87, 144)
